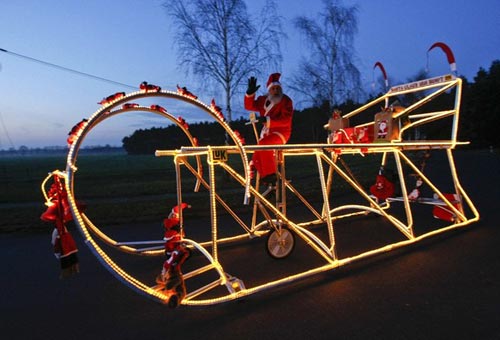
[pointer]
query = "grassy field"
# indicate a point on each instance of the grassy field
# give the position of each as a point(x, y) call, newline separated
point(118, 188)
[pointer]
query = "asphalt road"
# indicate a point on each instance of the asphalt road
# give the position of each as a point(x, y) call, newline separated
point(447, 287)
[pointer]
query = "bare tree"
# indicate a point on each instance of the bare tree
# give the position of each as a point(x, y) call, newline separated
point(329, 74)
point(219, 44)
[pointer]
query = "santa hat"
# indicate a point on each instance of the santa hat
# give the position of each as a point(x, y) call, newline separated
point(174, 213)
point(274, 80)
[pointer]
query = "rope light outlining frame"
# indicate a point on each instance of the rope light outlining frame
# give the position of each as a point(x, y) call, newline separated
point(277, 225)
point(85, 225)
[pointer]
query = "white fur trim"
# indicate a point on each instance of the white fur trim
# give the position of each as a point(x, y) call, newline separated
point(55, 236)
point(274, 83)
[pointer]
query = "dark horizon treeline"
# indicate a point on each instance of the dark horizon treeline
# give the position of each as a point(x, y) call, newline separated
point(479, 118)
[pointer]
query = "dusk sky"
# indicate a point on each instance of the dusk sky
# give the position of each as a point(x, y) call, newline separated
point(130, 41)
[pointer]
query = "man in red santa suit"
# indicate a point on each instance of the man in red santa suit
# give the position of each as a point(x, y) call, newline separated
point(275, 112)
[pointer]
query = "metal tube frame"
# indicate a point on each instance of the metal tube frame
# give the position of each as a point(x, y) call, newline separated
point(325, 154)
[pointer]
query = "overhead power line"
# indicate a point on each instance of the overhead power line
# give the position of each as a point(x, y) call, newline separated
point(67, 69)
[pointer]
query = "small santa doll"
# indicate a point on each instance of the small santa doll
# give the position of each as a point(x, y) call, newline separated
point(415, 193)
point(383, 188)
point(176, 253)
point(58, 212)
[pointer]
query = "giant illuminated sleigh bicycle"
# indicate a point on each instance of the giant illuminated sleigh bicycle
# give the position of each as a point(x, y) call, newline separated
point(207, 275)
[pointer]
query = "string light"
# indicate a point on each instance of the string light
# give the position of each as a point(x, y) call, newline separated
point(324, 154)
